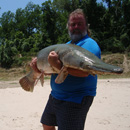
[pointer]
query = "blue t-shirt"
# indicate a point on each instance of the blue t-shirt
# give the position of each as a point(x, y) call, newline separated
point(74, 88)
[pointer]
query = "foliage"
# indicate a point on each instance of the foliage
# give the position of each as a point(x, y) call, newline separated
point(7, 53)
point(28, 30)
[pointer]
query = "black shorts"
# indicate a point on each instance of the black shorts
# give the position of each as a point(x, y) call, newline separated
point(66, 115)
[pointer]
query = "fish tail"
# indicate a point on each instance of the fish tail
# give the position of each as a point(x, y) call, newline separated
point(27, 84)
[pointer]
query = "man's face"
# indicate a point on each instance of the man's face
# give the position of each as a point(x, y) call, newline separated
point(77, 27)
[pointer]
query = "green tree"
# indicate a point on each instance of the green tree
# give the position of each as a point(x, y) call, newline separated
point(35, 27)
point(7, 53)
point(126, 17)
point(49, 16)
point(18, 41)
point(28, 44)
point(67, 5)
point(7, 24)
point(20, 21)
point(33, 18)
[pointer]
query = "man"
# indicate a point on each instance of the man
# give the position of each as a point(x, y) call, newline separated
point(70, 101)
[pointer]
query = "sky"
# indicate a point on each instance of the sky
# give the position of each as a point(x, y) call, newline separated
point(13, 5)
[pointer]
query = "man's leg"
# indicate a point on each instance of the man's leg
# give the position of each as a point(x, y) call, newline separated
point(46, 127)
point(48, 118)
point(72, 116)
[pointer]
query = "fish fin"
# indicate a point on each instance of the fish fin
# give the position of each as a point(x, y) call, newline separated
point(26, 84)
point(42, 79)
point(62, 75)
point(55, 69)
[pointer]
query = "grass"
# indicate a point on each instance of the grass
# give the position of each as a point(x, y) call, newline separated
point(115, 76)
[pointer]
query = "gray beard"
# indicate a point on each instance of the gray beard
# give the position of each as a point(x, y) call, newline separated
point(76, 37)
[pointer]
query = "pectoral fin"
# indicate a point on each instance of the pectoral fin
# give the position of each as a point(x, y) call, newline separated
point(62, 75)
point(42, 79)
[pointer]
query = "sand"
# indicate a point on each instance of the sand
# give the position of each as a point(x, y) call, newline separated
point(21, 110)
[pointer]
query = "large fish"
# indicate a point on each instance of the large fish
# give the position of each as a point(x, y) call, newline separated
point(72, 56)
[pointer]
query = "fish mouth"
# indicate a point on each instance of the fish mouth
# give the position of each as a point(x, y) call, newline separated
point(118, 70)
point(94, 70)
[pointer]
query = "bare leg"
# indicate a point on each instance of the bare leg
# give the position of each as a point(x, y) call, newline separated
point(46, 127)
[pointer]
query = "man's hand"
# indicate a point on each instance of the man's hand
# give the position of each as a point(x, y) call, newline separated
point(33, 65)
point(54, 60)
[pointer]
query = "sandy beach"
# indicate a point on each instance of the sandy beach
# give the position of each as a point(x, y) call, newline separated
point(21, 110)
